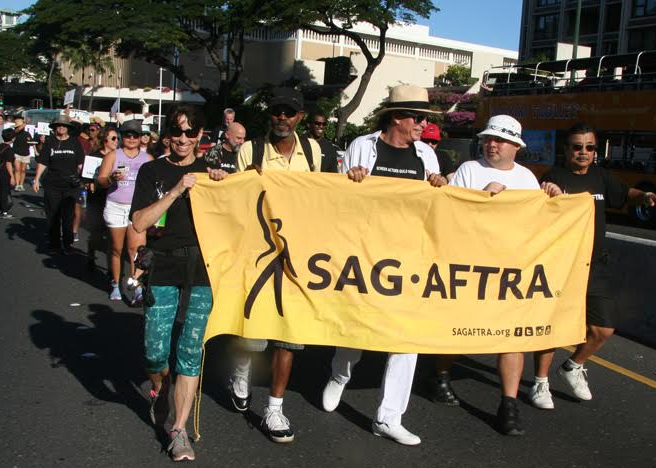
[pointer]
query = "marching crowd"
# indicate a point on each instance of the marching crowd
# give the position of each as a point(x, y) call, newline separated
point(140, 196)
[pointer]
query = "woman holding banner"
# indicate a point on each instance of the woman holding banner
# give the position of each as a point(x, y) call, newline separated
point(161, 200)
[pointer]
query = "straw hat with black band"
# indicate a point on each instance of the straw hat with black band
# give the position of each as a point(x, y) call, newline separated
point(408, 98)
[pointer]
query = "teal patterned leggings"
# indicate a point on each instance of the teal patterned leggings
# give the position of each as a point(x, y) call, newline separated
point(159, 325)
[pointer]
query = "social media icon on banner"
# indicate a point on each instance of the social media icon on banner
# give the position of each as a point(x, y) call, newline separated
point(539, 331)
point(528, 331)
point(518, 331)
point(547, 330)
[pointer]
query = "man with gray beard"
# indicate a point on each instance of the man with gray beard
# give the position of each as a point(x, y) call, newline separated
point(281, 149)
point(224, 155)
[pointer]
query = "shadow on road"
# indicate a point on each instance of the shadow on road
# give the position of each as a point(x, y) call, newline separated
point(101, 357)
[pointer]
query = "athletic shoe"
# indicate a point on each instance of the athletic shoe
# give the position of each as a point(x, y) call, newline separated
point(576, 381)
point(397, 433)
point(115, 294)
point(240, 393)
point(332, 394)
point(541, 396)
point(19, 188)
point(508, 417)
point(159, 404)
point(440, 390)
point(67, 251)
point(6, 215)
point(137, 299)
point(76, 237)
point(276, 426)
point(180, 447)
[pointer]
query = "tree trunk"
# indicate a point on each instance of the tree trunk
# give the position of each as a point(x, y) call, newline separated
point(344, 112)
point(79, 101)
point(50, 73)
point(93, 89)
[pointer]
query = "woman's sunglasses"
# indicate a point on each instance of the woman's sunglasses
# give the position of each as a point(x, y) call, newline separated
point(177, 132)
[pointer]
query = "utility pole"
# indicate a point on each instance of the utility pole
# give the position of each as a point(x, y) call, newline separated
point(577, 26)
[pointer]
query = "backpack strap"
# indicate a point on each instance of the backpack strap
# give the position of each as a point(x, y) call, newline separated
point(258, 151)
point(307, 150)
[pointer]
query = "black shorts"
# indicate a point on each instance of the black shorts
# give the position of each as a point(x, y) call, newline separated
point(600, 305)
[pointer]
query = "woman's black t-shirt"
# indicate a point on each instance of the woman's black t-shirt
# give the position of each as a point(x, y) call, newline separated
point(178, 231)
point(62, 158)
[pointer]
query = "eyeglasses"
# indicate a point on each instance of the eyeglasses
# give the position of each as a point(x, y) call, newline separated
point(579, 147)
point(417, 117)
point(114, 138)
point(319, 124)
point(93, 129)
point(277, 111)
point(177, 132)
point(131, 135)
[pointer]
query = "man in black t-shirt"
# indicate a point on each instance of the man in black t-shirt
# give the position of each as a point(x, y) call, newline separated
point(316, 124)
point(581, 175)
point(224, 154)
point(394, 151)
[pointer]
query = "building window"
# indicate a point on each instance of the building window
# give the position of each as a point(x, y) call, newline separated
point(613, 16)
point(546, 26)
point(644, 8)
point(589, 21)
point(544, 3)
point(642, 39)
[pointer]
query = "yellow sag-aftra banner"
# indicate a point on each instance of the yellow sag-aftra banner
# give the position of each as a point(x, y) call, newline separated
point(391, 264)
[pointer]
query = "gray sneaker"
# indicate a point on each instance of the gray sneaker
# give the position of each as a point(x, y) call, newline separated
point(180, 447)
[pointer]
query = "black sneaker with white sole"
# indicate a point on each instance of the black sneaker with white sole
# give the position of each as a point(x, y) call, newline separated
point(276, 426)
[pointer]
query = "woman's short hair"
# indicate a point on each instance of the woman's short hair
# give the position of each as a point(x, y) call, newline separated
point(195, 117)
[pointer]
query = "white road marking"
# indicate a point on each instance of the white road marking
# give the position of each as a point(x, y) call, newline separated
point(632, 239)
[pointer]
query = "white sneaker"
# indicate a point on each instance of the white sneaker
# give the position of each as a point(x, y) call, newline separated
point(332, 394)
point(276, 425)
point(541, 396)
point(576, 381)
point(397, 433)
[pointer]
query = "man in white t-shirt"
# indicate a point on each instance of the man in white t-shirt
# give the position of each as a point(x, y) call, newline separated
point(495, 172)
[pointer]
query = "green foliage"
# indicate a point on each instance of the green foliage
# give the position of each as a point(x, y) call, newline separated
point(15, 58)
point(458, 75)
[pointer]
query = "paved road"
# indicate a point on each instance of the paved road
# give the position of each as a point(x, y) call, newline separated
point(65, 407)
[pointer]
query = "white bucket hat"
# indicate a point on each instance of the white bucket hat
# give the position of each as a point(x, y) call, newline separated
point(506, 127)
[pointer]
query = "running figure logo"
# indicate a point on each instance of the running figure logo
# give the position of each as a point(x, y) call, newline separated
point(276, 266)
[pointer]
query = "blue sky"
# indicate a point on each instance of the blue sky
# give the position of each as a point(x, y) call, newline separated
point(489, 22)
point(494, 23)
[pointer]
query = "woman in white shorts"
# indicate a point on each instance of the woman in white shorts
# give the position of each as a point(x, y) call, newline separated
point(118, 173)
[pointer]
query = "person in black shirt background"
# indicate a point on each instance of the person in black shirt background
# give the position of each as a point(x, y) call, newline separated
point(223, 155)
point(579, 175)
point(316, 125)
point(6, 171)
point(21, 147)
point(63, 156)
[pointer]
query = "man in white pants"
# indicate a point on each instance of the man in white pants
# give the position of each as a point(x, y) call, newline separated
point(396, 151)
